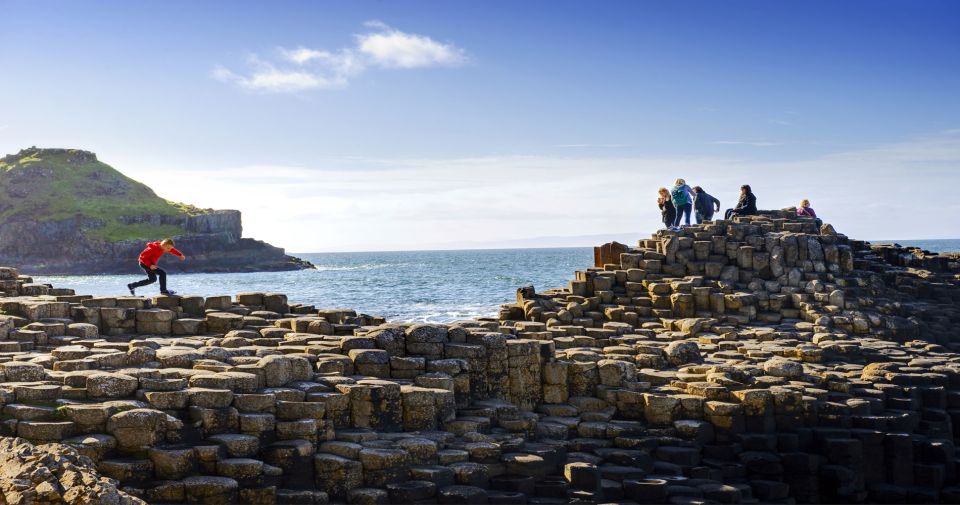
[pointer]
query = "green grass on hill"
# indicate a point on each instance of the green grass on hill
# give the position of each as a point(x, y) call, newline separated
point(52, 185)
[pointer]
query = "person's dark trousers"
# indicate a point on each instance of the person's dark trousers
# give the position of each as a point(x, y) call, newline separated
point(702, 217)
point(730, 213)
point(152, 277)
point(683, 210)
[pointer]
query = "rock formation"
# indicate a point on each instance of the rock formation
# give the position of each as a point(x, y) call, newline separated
point(53, 473)
point(765, 359)
point(64, 212)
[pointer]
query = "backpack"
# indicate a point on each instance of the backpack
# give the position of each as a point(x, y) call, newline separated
point(679, 196)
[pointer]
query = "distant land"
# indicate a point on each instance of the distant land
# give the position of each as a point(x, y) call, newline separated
point(62, 211)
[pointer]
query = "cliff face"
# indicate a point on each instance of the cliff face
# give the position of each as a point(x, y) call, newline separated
point(64, 212)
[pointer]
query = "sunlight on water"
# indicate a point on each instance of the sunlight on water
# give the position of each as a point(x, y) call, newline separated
point(428, 286)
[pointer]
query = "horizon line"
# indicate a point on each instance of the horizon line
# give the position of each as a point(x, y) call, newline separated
point(871, 241)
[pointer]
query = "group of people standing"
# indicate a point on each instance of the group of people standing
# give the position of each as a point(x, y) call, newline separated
point(678, 203)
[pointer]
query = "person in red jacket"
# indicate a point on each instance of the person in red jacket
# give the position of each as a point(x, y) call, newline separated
point(148, 262)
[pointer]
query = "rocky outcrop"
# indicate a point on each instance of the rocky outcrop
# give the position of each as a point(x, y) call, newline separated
point(65, 247)
point(760, 360)
point(64, 212)
point(53, 473)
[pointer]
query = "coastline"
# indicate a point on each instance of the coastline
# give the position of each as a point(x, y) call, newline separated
point(407, 286)
point(641, 379)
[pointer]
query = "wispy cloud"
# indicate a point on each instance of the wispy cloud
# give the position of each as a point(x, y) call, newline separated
point(267, 77)
point(304, 68)
point(588, 146)
point(746, 143)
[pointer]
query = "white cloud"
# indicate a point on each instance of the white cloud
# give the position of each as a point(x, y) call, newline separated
point(303, 55)
point(268, 78)
point(745, 143)
point(391, 48)
point(304, 68)
point(587, 146)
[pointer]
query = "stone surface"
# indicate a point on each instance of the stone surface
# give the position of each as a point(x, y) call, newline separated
point(764, 359)
point(53, 473)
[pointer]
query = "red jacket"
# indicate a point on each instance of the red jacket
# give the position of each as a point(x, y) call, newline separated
point(152, 253)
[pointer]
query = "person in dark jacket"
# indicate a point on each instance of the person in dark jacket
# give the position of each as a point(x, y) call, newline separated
point(668, 212)
point(704, 205)
point(746, 206)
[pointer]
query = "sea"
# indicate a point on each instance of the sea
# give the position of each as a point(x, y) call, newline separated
point(414, 286)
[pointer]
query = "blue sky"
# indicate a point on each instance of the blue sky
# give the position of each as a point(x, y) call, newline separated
point(421, 124)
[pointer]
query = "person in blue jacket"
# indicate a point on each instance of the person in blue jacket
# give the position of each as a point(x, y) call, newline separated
point(704, 205)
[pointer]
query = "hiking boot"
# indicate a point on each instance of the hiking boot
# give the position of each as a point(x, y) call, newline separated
point(131, 290)
point(168, 292)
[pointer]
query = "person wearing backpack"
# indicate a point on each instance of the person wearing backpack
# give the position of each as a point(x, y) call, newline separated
point(667, 211)
point(682, 197)
point(704, 205)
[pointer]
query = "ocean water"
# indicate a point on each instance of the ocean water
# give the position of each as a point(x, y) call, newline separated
point(423, 286)
point(938, 246)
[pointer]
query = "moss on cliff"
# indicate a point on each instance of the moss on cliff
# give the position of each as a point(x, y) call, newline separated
point(57, 184)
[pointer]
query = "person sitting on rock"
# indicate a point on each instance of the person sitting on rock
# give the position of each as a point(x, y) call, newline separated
point(682, 197)
point(746, 206)
point(148, 262)
point(668, 213)
point(704, 205)
point(805, 210)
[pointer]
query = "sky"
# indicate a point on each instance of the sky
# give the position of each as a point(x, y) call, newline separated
point(376, 125)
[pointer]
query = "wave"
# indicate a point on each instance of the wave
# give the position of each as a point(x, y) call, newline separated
point(404, 287)
point(354, 268)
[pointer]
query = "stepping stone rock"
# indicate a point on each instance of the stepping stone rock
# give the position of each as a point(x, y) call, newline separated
point(17, 371)
point(463, 494)
point(111, 385)
point(173, 463)
point(240, 469)
point(278, 370)
point(210, 490)
point(681, 353)
point(139, 429)
point(411, 491)
point(783, 368)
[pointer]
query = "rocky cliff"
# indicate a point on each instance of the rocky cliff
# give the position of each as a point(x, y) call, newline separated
point(64, 212)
